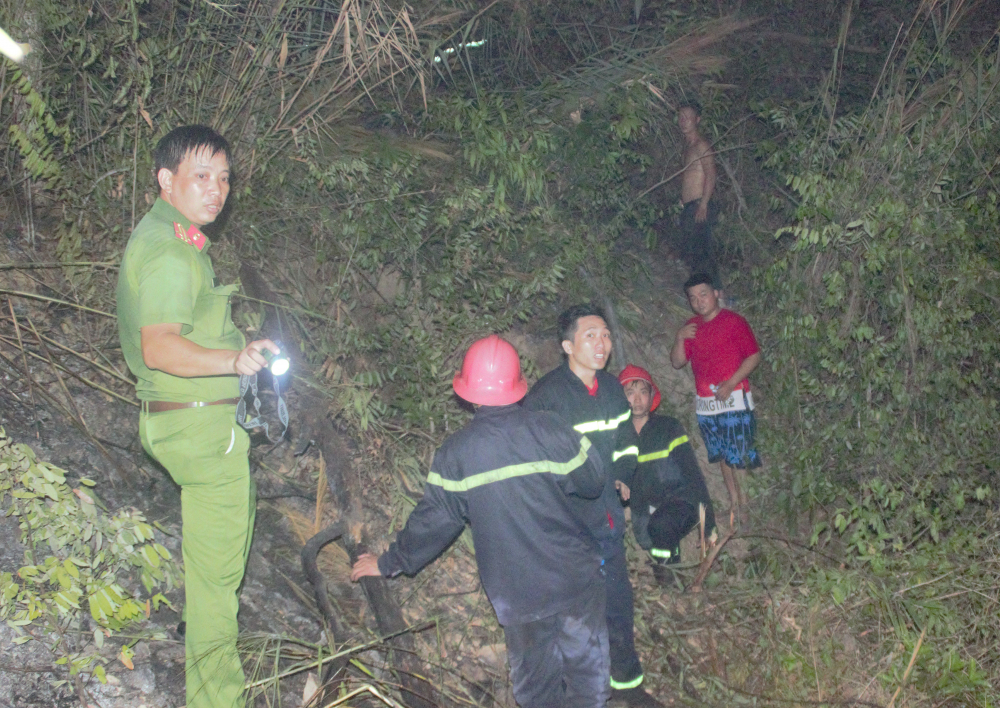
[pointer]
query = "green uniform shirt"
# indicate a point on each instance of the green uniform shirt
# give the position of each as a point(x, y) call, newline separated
point(165, 278)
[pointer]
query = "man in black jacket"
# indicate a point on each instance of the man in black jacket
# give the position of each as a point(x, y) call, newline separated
point(668, 486)
point(523, 480)
point(594, 403)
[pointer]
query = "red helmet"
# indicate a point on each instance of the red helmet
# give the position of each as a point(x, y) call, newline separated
point(637, 373)
point(491, 374)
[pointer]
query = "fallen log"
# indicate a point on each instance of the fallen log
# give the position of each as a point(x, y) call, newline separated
point(313, 424)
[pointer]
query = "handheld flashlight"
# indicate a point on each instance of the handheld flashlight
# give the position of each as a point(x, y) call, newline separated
point(277, 363)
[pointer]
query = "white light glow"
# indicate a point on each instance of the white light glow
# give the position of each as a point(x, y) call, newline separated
point(279, 367)
point(10, 48)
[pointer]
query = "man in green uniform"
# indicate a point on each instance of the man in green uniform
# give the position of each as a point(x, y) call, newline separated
point(179, 340)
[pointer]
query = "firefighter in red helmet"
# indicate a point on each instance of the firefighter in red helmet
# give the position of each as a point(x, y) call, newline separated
point(528, 485)
point(667, 487)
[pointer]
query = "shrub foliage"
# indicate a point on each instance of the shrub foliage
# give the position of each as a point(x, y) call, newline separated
point(880, 320)
point(72, 591)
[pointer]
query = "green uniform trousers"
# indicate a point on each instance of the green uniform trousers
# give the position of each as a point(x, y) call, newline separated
point(205, 452)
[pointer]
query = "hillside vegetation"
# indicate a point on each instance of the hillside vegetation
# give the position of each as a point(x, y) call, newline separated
point(411, 178)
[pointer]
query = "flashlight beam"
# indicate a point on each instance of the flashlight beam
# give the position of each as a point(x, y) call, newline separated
point(11, 49)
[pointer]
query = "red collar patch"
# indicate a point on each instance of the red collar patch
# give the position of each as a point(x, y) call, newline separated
point(192, 237)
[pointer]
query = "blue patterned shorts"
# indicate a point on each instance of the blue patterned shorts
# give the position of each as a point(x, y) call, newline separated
point(729, 437)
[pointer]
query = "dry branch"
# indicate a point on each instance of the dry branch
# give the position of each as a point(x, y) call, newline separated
point(706, 565)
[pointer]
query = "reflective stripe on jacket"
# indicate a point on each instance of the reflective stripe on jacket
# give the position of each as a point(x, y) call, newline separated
point(528, 486)
point(667, 469)
point(602, 418)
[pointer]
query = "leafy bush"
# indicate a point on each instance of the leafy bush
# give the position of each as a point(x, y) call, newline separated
point(883, 342)
point(72, 594)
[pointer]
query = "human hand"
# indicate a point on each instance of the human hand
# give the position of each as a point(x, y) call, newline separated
point(365, 566)
point(623, 490)
point(687, 331)
point(250, 361)
point(724, 391)
point(702, 214)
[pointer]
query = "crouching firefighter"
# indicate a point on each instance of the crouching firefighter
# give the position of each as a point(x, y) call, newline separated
point(667, 487)
point(524, 481)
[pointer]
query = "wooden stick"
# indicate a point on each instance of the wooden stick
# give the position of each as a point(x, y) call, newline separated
point(701, 528)
point(81, 379)
point(78, 355)
point(62, 384)
point(31, 388)
point(346, 652)
point(33, 266)
point(909, 667)
point(33, 296)
point(367, 688)
point(706, 564)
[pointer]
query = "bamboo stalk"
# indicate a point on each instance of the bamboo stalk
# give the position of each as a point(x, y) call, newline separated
point(31, 390)
point(909, 667)
point(79, 378)
point(59, 406)
point(55, 367)
point(367, 688)
point(53, 264)
point(100, 367)
point(353, 650)
point(43, 298)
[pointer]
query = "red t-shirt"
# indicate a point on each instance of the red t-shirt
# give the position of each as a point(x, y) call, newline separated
point(718, 349)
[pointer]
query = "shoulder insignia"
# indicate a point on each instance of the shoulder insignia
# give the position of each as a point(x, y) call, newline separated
point(192, 237)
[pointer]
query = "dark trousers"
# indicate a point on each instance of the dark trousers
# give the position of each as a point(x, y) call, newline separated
point(562, 661)
point(626, 671)
point(671, 522)
point(697, 246)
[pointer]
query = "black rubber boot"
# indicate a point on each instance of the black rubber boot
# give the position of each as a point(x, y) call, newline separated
point(663, 576)
point(662, 571)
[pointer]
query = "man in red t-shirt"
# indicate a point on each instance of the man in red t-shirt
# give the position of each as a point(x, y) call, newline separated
point(723, 352)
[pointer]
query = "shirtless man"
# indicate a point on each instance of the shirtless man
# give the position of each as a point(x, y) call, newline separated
point(697, 187)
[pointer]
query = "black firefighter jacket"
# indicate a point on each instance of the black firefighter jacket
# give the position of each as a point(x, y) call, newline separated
point(601, 418)
point(510, 474)
point(667, 469)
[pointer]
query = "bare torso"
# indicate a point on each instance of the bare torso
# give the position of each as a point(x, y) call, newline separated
point(693, 179)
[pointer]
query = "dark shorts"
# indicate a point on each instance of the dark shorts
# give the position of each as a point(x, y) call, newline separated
point(730, 437)
point(696, 243)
